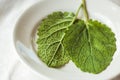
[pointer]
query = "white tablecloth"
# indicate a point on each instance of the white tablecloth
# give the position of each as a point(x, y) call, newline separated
point(10, 11)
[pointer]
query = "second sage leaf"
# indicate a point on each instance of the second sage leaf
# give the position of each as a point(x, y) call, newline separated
point(50, 35)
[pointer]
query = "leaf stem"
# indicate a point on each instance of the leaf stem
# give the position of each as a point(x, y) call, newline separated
point(85, 10)
point(78, 10)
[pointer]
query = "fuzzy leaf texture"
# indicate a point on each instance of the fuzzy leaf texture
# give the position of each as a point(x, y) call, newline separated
point(50, 35)
point(91, 45)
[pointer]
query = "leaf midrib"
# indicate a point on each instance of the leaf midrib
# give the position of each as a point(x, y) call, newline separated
point(60, 43)
point(89, 42)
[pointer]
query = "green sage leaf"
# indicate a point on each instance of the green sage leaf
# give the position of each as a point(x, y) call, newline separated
point(91, 45)
point(50, 35)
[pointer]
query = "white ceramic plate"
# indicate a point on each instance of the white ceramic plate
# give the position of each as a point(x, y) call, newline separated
point(102, 10)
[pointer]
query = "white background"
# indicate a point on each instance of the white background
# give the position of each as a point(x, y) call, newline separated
point(10, 11)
